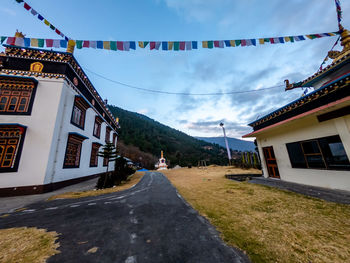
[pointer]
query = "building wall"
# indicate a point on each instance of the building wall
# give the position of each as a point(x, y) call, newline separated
point(304, 129)
point(38, 140)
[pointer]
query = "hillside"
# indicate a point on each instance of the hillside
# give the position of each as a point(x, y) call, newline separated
point(234, 144)
point(150, 136)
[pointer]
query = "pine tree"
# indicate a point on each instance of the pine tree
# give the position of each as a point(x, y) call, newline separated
point(109, 153)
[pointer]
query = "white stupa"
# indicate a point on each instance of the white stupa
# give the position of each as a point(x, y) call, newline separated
point(161, 163)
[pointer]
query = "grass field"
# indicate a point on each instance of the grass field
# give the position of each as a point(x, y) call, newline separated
point(27, 245)
point(132, 180)
point(270, 225)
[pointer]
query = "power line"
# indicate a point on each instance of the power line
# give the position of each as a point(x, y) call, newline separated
point(181, 93)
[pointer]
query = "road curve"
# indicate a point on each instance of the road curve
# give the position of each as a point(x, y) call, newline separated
point(148, 223)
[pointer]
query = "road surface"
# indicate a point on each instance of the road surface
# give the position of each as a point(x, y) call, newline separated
point(148, 223)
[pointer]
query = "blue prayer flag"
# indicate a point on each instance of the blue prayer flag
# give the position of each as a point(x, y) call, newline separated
point(253, 41)
point(27, 42)
point(40, 17)
point(99, 44)
point(227, 43)
point(281, 39)
point(132, 45)
point(63, 43)
point(194, 45)
point(164, 45)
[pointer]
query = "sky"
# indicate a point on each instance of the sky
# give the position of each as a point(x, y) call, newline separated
point(196, 71)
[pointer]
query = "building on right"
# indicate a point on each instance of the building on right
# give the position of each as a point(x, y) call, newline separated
point(308, 140)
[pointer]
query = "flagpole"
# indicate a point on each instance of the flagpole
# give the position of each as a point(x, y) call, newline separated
point(226, 142)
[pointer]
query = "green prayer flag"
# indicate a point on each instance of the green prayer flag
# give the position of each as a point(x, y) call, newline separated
point(113, 45)
point(266, 39)
point(145, 43)
point(79, 44)
point(176, 45)
point(52, 27)
point(3, 39)
point(291, 39)
point(19, 1)
point(40, 42)
point(238, 43)
point(210, 44)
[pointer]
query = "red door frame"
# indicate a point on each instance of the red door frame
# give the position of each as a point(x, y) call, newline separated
point(271, 163)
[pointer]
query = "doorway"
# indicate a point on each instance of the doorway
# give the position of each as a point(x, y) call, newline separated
point(271, 162)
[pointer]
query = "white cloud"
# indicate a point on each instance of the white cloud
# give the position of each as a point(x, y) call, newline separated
point(8, 11)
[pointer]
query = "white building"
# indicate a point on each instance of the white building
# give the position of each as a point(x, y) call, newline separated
point(52, 122)
point(308, 140)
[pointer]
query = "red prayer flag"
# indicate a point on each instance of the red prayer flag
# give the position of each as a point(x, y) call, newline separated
point(272, 41)
point(57, 31)
point(182, 45)
point(49, 42)
point(152, 45)
point(318, 35)
point(26, 6)
point(216, 43)
point(120, 45)
point(86, 43)
point(243, 42)
point(11, 41)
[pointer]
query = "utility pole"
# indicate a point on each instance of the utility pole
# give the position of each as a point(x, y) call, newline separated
point(227, 148)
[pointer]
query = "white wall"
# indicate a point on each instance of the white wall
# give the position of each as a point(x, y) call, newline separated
point(37, 143)
point(304, 129)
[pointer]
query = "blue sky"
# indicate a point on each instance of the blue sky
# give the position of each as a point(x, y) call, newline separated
point(197, 71)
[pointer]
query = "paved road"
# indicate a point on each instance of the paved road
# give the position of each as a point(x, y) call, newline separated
point(147, 223)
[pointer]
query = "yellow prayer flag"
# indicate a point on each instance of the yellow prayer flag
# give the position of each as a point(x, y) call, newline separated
point(106, 45)
point(261, 41)
point(141, 44)
point(309, 36)
point(71, 43)
point(170, 45)
point(205, 44)
point(46, 22)
point(287, 39)
point(34, 42)
point(232, 43)
point(331, 34)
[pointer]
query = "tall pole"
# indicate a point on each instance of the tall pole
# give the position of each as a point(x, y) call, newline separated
point(226, 142)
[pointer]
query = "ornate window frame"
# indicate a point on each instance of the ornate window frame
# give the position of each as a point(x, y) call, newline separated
point(73, 150)
point(95, 146)
point(79, 109)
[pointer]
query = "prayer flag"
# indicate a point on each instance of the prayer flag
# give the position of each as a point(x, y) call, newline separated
point(299, 38)
point(27, 42)
point(141, 44)
point(56, 43)
point(63, 43)
point(132, 45)
point(41, 42)
point(164, 45)
point(93, 44)
point(227, 43)
point(52, 27)
point(281, 40)
point(26, 6)
point(210, 44)
point(57, 31)
point(248, 42)
point(19, 1)
point(188, 45)
point(49, 42)
point(221, 44)
point(152, 45)
point(120, 45)
point(216, 43)
point(182, 45)
point(40, 17)
point(176, 46)
point(233, 43)
point(99, 44)
point(194, 45)
point(170, 45)
point(126, 46)
point(10, 41)
point(33, 12)
point(238, 43)
point(79, 44)
point(157, 45)
point(243, 42)
point(3, 39)
point(19, 41)
point(272, 40)
point(106, 45)
point(46, 22)
point(86, 43)
point(205, 44)
point(253, 41)
point(66, 38)
point(261, 41)
point(113, 45)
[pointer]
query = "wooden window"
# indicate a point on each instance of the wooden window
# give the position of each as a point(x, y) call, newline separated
point(320, 153)
point(11, 140)
point(79, 110)
point(108, 134)
point(114, 138)
point(73, 151)
point(94, 157)
point(97, 127)
point(14, 101)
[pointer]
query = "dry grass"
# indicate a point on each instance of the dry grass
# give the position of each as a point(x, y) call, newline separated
point(132, 180)
point(271, 225)
point(27, 245)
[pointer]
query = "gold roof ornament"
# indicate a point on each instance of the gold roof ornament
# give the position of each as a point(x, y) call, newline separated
point(345, 42)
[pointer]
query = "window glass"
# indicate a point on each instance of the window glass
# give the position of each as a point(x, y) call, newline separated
point(296, 155)
point(73, 152)
point(13, 104)
point(311, 147)
point(3, 102)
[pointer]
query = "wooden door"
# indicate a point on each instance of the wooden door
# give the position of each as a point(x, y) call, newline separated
point(271, 162)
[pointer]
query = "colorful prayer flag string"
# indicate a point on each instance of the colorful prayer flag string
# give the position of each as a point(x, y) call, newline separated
point(339, 11)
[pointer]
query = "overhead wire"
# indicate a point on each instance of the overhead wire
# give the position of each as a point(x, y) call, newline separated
point(180, 93)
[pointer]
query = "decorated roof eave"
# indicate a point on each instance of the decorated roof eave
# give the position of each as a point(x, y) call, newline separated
point(73, 63)
point(324, 90)
point(20, 77)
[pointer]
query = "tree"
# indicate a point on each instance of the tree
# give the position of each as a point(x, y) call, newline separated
point(109, 154)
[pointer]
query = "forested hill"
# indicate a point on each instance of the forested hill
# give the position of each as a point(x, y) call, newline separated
point(151, 136)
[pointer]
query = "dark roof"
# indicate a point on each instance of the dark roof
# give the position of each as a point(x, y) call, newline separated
point(56, 65)
point(330, 92)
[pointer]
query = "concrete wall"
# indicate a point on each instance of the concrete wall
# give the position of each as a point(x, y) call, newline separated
point(304, 129)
